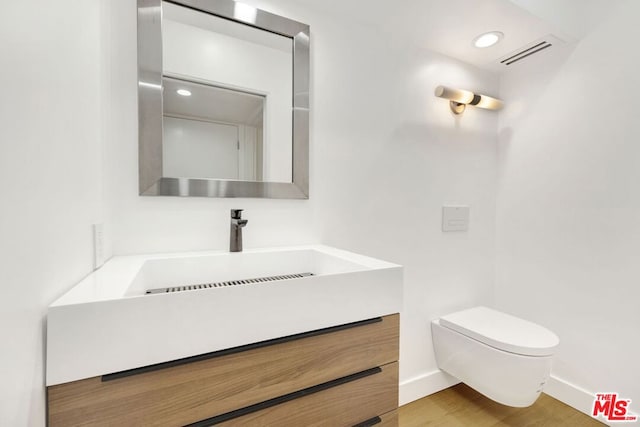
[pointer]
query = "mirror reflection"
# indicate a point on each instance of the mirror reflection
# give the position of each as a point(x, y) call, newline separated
point(227, 97)
point(211, 132)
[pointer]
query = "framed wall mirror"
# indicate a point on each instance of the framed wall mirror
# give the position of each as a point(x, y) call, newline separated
point(223, 101)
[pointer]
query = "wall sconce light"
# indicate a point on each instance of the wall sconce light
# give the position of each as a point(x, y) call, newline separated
point(458, 99)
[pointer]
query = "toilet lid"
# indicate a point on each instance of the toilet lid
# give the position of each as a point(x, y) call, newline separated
point(502, 331)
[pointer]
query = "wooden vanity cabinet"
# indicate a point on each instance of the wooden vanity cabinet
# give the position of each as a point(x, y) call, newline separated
point(340, 376)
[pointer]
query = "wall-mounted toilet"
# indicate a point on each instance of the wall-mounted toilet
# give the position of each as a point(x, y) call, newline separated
point(503, 357)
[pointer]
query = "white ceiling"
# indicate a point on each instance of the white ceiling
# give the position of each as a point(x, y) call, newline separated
point(449, 26)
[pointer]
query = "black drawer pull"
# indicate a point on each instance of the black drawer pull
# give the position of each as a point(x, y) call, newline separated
point(370, 422)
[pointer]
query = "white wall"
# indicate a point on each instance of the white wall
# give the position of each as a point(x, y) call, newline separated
point(568, 242)
point(199, 149)
point(50, 166)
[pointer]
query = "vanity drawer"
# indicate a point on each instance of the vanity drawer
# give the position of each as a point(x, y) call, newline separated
point(348, 404)
point(227, 381)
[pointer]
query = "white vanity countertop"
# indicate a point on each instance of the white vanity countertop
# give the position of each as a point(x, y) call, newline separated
point(113, 279)
point(107, 324)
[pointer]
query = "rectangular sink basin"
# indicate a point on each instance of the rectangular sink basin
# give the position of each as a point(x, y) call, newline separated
point(209, 301)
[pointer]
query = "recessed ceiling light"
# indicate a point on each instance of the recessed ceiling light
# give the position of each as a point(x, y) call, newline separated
point(183, 92)
point(488, 39)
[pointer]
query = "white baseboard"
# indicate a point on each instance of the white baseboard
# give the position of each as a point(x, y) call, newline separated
point(570, 394)
point(432, 382)
point(423, 385)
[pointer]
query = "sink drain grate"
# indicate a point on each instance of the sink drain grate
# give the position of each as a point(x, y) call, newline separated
point(225, 284)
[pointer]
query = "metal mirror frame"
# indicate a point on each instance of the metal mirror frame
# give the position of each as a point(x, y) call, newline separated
point(151, 181)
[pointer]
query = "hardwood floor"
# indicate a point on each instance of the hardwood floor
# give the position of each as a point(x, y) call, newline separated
point(461, 406)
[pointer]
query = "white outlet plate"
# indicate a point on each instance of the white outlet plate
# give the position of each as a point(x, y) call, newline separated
point(455, 218)
point(98, 245)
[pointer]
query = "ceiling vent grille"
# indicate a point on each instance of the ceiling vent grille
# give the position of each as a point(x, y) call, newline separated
point(530, 49)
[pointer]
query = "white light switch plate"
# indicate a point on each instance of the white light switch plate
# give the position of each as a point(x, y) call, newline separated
point(455, 218)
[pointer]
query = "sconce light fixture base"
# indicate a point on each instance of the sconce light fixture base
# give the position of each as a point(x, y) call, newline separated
point(457, 107)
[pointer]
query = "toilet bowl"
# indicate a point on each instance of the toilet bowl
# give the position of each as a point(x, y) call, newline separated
point(501, 356)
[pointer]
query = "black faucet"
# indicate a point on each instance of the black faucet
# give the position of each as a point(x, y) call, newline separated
point(235, 239)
